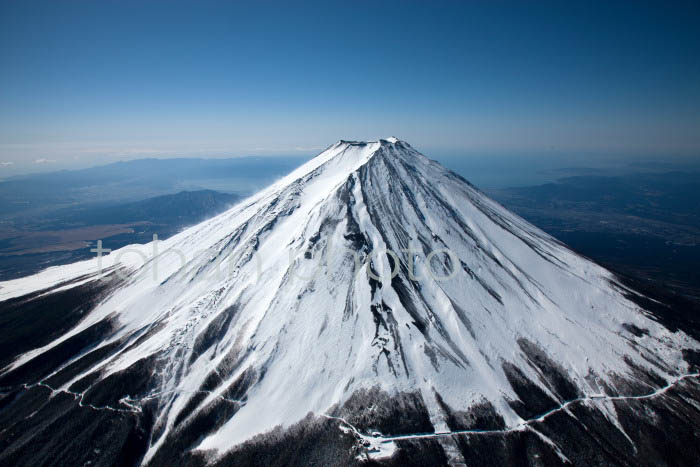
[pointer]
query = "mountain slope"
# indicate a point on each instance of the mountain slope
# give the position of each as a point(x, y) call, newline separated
point(369, 290)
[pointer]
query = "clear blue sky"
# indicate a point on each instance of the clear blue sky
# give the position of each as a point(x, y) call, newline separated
point(86, 81)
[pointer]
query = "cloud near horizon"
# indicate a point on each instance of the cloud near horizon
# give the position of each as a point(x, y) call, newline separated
point(44, 161)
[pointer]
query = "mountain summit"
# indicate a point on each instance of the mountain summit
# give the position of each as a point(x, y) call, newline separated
point(371, 306)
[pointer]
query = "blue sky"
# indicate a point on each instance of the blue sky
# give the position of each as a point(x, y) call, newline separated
point(86, 82)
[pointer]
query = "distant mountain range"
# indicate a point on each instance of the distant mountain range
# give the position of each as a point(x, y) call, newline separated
point(67, 234)
point(135, 180)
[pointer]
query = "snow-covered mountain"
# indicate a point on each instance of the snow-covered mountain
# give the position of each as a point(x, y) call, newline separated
point(370, 306)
